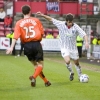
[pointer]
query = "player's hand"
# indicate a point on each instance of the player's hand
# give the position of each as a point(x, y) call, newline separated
point(9, 51)
point(39, 13)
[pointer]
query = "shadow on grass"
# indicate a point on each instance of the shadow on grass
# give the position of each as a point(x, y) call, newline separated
point(39, 86)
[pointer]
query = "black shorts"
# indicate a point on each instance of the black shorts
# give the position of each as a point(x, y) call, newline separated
point(33, 51)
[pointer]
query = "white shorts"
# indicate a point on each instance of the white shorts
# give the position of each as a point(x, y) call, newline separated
point(72, 54)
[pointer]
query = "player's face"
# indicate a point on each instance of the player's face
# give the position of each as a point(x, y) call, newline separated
point(69, 23)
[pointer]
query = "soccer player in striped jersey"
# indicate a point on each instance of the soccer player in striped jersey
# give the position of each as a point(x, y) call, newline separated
point(30, 32)
point(68, 31)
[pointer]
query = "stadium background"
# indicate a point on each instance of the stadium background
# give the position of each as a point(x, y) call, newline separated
point(86, 13)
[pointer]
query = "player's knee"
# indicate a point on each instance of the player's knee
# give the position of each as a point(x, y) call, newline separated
point(77, 63)
point(68, 62)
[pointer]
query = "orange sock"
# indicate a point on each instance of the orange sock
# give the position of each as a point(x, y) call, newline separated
point(43, 77)
point(37, 71)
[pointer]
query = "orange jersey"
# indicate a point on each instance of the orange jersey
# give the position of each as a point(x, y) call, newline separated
point(28, 29)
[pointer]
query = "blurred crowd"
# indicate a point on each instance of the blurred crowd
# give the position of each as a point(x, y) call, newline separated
point(6, 19)
point(96, 40)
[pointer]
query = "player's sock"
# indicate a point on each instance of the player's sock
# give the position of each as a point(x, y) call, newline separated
point(69, 67)
point(37, 71)
point(78, 68)
point(43, 77)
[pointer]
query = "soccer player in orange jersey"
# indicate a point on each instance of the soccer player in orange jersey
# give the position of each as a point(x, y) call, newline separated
point(30, 31)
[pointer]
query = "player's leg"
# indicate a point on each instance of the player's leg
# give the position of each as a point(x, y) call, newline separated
point(31, 51)
point(68, 64)
point(65, 54)
point(69, 67)
point(42, 76)
point(37, 71)
point(78, 67)
point(36, 57)
point(75, 57)
point(40, 61)
point(38, 68)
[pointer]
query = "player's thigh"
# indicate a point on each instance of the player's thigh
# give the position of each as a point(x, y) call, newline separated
point(67, 59)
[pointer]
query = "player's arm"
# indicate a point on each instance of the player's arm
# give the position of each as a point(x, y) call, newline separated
point(13, 43)
point(86, 41)
point(82, 34)
point(14, 39)
point(45, 16)
point(9, 50)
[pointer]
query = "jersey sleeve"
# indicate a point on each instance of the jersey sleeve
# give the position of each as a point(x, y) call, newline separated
point(57, 23)
point(81, 33)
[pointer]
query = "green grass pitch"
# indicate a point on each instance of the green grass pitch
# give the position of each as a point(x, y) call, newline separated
point(15, 83)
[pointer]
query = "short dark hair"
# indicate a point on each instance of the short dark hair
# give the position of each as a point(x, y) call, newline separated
point(26, 9)
point(69, 17)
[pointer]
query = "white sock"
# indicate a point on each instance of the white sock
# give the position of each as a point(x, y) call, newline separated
point(69, 67)
point(78, 68)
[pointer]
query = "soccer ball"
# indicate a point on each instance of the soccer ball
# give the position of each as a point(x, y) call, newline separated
point(84, 78)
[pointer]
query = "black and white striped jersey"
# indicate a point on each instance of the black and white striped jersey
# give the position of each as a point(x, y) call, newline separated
point(67, 36)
